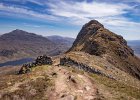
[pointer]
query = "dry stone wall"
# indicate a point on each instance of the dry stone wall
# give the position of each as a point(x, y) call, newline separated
point(66, 61)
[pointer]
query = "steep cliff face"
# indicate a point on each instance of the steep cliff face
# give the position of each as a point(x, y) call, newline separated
point(99, 41)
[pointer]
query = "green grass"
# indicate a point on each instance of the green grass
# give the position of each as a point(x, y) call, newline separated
point(40, 86)
point(38, 68)
point(118, 87)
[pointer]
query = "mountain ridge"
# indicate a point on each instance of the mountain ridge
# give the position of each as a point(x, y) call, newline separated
point(96, 40)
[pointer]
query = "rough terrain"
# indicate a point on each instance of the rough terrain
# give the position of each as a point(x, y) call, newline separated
point(99, 66)
point(64, 83)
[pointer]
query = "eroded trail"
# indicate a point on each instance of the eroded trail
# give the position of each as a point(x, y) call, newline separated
point(71, 86)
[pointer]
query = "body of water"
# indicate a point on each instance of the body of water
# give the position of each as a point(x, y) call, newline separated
point(16, 62)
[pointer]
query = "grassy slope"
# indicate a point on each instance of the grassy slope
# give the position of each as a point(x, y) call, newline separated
point(40, 84)
point(119, 90)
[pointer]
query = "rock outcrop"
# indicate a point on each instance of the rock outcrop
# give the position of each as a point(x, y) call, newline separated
point(99, 41)
point(41, 60)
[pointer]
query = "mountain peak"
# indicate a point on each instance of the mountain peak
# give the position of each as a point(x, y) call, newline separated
point(88, 29)
point(16, 31)
point(22, 35)
point(93, 24)
point(96, 40)
point(19, 32)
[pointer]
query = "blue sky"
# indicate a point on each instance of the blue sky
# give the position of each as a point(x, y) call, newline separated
point(66, 17)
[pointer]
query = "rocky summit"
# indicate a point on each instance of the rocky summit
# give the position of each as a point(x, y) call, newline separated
point(96, 40)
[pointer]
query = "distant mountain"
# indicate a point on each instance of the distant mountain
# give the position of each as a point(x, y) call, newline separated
point(63, 43)
point(20, 44)
point(61, 40)
point(135, 45)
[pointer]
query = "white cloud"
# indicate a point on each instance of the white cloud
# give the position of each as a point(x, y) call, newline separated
point(138, 1)
point(25, 1)
point(36, 2)
point(84, 11)
point(26, 12)
point(32, 25)
point(76, 13)
point(109, 14)
point(79, 13)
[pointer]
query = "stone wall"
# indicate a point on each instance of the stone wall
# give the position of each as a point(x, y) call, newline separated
point(69, 62)
point(41, 60)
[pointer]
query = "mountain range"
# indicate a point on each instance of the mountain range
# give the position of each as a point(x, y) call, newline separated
point(98, 66)
point(17, 43)
point(20, 44)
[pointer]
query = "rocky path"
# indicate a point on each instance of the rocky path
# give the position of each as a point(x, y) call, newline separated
point(71, 86)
